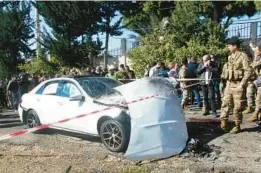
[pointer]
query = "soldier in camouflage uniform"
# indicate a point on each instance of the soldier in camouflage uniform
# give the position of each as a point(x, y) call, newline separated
point(250, 90)
point(183, 73)
point(122, 74)
point(236, 75)
point(257, 68)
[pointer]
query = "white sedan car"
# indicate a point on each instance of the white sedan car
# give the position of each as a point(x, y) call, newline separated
point(66, 97)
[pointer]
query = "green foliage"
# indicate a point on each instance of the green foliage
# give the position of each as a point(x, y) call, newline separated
point(40, 66)
point(15, 33)
point(138, 18)
point(70, 21)
point(134, 169)
point(258, 5)
point(181, 39)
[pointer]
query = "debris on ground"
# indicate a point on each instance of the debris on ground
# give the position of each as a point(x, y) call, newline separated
point(68, 169)
point(196, 148)
point(97, 171)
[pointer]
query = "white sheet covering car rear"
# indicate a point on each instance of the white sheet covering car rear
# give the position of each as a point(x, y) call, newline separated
point(158, 125)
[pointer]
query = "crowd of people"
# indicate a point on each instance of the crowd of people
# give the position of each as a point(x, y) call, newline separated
point(12, 88)
point(237, 82)
point(194, 69)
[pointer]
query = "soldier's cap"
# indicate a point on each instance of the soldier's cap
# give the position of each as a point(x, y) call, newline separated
point(234, 41)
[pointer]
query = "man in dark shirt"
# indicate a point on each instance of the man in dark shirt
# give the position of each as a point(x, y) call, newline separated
point(12, 89)
point(206, 70)
point(192, 73)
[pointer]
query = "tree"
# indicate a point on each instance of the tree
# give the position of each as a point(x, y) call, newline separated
point(187, 34)
point(15, 33)
point(70, 21)
point(258, 5)
point(143, 15)
point(229, 9)
point(215, 10)
point(109, 11)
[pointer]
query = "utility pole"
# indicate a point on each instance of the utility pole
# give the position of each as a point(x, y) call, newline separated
point(124, 49)
point(37, 33)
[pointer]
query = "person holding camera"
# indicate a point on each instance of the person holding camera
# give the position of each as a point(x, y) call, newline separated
point(207, 70)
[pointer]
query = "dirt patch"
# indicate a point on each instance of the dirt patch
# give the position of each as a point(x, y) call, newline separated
point(58, 151)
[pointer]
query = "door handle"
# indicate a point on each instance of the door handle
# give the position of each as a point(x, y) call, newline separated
point(60, 103)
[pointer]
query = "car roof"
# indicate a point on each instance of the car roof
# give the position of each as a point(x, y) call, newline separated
point(73, 78)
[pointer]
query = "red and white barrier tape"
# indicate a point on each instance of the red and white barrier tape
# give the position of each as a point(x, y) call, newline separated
point(25, 131)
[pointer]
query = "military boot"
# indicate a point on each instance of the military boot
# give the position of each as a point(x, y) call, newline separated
point(236, 129)
point(248, 110)
point(224, 126)
point(254, 117)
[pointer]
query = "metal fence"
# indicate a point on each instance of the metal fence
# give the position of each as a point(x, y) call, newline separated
point(248, 30)
point(245, 31)
point(118, 52)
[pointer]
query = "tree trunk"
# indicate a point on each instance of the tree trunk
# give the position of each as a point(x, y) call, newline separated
point(215, 15)
point(37, 33)
point(106, 43)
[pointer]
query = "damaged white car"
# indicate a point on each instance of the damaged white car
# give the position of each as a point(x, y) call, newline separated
point(152, 128)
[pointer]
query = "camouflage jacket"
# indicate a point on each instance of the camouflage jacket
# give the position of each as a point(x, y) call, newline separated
point(238, 68)
point(183, 73)
point(256, 65)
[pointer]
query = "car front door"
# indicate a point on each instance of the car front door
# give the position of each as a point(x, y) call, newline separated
point(48, 101)
point(71, 105)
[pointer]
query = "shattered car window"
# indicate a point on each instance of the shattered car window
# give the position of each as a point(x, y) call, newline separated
point(96, 87)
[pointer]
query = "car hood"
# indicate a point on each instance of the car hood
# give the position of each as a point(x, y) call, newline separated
point(158, 125)
point(114, 98)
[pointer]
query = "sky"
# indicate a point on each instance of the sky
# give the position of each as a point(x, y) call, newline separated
point(115, 41)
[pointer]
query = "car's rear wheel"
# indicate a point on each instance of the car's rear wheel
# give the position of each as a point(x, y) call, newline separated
point(32, 119)
point(114, 135)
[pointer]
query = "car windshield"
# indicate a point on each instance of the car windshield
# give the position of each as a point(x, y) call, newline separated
point(96, 87)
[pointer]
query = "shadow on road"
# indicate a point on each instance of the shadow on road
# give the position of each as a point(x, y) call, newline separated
point(9, 116)
point(10, 121)
point(86, 137)
point(252, 129)
point(11, 125)
point(205, 131)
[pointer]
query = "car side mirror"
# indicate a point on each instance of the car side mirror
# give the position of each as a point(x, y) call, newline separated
point(77, 98)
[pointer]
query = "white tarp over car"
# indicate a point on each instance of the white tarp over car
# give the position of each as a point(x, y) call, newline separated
point(158, 126)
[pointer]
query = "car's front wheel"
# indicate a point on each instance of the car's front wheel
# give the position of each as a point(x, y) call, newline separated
point(114, 135)
point(32, 119)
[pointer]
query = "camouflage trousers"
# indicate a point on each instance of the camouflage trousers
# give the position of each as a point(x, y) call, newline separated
point(258, 99)
point(184, 100)
point(232, 96)
point(250, 94)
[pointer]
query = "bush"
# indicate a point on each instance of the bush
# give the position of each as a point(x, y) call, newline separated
point(39, 66)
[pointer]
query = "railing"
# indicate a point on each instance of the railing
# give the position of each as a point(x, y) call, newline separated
point(245, 31)
point(248, 30)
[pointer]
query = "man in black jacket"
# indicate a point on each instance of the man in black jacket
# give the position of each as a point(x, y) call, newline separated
point(12, 90)
point(206, 70)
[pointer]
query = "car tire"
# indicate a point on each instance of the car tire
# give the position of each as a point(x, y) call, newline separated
point(32, 119)
point(114, 135)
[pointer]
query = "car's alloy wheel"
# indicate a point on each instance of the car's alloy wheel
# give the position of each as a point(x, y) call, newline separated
point(114, 135)
point(32, 119)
